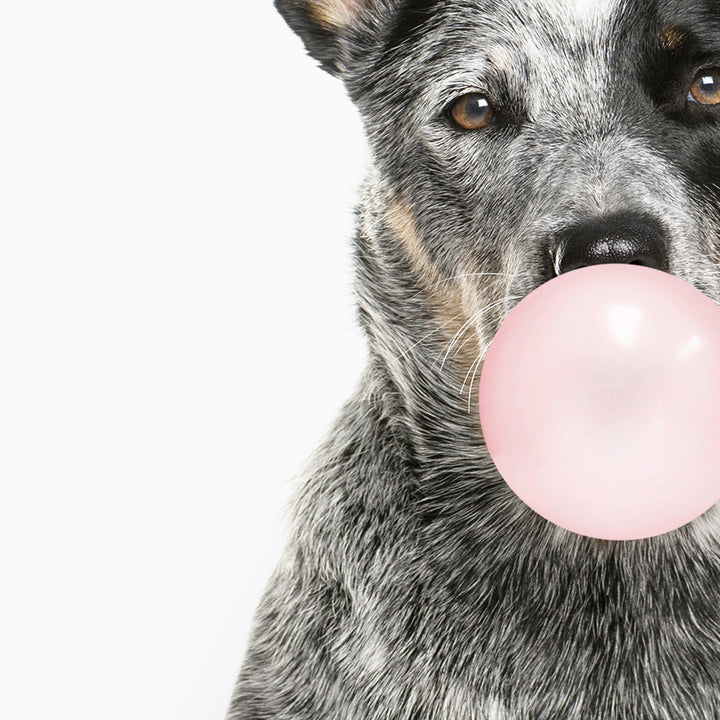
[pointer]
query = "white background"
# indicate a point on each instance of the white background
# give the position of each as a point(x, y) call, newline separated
point(177, 332)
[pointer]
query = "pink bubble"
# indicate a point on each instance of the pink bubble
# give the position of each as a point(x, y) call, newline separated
point(600, 401)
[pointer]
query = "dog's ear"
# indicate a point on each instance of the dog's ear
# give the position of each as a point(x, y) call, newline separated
point(322, 24)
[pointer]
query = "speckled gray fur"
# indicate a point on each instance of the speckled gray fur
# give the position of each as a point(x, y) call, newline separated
point(416, 586)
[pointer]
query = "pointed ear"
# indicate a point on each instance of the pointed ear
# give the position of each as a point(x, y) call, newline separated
point(321, 24)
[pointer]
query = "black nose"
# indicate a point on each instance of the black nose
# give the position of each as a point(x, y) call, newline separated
point(632, 239)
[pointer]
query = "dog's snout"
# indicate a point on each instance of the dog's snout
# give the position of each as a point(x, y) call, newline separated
point(636, 240)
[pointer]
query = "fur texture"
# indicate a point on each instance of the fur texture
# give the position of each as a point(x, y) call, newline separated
point(417, 586)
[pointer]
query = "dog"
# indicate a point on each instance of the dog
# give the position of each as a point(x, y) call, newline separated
point(511, 141)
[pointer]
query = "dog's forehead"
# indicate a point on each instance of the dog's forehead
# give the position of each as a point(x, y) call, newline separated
point(544, 21)
point(581, 12)
point(529, 28)
point(581, 23)
point(559, 41)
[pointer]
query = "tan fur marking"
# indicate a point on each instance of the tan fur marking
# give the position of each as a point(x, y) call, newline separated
point(335, 14)
point(672, 38)
point(449, 298)
point(403, 224)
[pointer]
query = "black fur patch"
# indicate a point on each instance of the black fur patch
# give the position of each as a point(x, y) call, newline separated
point(408, 21)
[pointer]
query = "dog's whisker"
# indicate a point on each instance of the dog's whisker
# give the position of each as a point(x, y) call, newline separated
point(461, 346)
point(475, 363)
point(475, 366)
point(456, 337)
point(473, 319)
point(458, 276)
point(435, 330)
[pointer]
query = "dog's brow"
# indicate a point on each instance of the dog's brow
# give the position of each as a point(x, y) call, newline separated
point(500, 58)
point(673, 38)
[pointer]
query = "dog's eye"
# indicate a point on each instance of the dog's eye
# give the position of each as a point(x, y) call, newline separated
point(705, 89)
point(472, 111)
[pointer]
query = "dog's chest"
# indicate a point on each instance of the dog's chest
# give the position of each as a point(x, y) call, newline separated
point(510, 662)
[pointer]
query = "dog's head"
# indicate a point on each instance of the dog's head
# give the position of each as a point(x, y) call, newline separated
point(513, 141)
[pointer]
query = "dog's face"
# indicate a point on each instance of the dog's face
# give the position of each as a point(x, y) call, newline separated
point(513, 141)
point(503, 128)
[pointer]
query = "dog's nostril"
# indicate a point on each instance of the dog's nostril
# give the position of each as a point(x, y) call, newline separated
point(631, 239)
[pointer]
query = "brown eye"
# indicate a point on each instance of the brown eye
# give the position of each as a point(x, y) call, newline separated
point(472, 111)
point(706, 88)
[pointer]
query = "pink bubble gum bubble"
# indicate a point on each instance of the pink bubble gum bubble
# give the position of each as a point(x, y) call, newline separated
point(600, 401)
